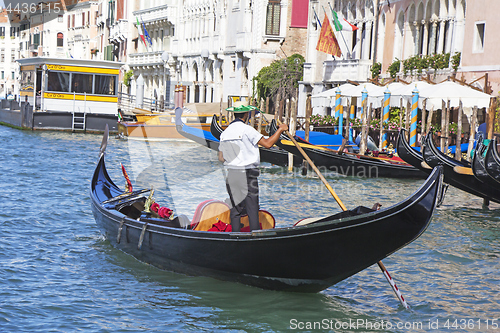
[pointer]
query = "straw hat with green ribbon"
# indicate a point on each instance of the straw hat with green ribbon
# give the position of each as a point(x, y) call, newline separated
point(241, 107)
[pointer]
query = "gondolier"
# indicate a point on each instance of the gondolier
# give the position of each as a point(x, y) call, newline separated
point(239, 151)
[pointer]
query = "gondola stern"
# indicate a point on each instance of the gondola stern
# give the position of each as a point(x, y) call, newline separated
point(102, 186)
point(215, 129)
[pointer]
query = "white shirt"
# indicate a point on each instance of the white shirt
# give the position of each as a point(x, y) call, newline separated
point(238, 144)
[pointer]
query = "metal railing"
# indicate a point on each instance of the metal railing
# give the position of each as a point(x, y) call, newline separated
point(127, 103)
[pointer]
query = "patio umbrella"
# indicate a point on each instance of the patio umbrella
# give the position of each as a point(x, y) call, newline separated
point(455, 93)
point(373, 93)
point(405, 92)
point(327, 97)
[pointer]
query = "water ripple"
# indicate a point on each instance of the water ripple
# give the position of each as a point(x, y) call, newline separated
point(59, 274)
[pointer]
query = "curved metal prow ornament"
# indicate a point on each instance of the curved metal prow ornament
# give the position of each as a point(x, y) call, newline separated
point(104, 142)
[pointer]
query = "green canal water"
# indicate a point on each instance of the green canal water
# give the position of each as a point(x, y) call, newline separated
point(59, 274)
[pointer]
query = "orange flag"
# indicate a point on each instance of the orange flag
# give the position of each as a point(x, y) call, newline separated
point(327, 42)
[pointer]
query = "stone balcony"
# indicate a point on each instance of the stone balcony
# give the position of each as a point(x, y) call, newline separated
point(156, 14)
point(342, 70)
point(146, 58)
point(119, 31)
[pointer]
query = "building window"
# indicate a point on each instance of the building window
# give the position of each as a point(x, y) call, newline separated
point(2, 31)
point(60, 39)
point(3, 75)
point(273, 18)
point(60, 18)
point(13, 75)
point(36, 39)
point(111, 11)
point(479, 37)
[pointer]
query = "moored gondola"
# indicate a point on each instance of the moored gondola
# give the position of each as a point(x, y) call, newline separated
point(478, 164)
point(208, 140)
point(492, 160)
point(197, 135)
point(350, 164)
point(410, 155)
point(309, 257)
point(456, 173)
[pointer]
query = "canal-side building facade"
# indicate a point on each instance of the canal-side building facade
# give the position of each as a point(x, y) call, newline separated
point(214, 49)
point(387, 31)
point(9, 51)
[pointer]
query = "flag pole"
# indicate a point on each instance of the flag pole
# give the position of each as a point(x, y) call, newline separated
point(317, 18)
point(347, 47)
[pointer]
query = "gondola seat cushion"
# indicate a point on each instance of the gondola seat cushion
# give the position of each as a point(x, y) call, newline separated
point(266, 221)
point(212, 211)
point(208, 213)
point(221, 227)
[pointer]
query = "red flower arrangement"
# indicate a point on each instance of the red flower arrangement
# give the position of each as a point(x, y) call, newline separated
point(163, 212)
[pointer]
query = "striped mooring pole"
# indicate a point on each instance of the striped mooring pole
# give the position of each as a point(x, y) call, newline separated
point(338, 111)
point(350, 118)
point(364, 96)
point(385, 116)
point(414, 113)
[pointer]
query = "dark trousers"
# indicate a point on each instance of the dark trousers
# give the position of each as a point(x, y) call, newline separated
point(243, 188)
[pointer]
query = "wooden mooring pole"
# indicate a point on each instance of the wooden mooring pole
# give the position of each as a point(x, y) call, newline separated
point(458, 149)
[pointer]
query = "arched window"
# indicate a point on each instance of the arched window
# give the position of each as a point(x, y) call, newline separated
point(60, 39)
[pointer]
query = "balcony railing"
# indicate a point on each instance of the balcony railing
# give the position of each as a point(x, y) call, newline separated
point(341, 70)
point(146, 58)
point(119, 30)
point(158, 13)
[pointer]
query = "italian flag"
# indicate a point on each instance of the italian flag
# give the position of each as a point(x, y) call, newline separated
point(139, 29)
point(342, 24)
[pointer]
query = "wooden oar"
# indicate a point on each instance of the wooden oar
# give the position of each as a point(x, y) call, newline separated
point(367, 157)
point(380, 264)
point(313, 166)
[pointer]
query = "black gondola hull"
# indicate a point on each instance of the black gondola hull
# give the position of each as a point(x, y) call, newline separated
point(408, 154)
point(466, 182)
point(492, 161)
point(350, 165)
point(306, 258)
point(478, 166)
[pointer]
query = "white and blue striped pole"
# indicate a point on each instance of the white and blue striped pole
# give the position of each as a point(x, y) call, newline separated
point(338, 115)
point(414, 113)
point(364, 97)
point(385, 116)
point(351, 118)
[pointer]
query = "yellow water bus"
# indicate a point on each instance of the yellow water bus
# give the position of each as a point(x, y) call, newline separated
point(69, 94)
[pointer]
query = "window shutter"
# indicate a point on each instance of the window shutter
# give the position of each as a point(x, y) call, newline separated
point(300, 13)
